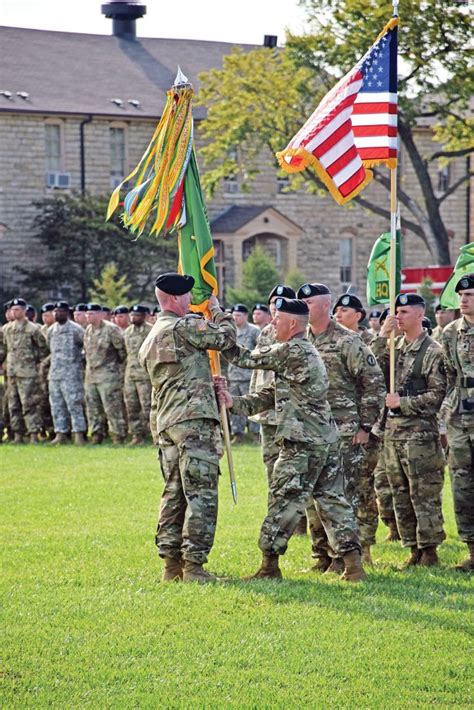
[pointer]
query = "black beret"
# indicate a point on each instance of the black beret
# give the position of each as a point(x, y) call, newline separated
point(240, 308)
point(47, 307)
point(18, 302)
point(308, 290)
point(156, 310)
point(107, 309)
point(121, 309)
point(349, 301)
point(427, 324)
point(174, 284)
point(383, 316)
point(282, 290)
point(29, 307)
point(409, 299)
point(467, 281)
point(94, 307)
point(292, 305)
point(7, 305)
point(80, 307)
point(261, 307)
point(62, 304)
point(139, 309)
point(375, 314)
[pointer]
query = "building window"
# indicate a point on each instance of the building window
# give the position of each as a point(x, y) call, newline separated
point(230, 182)
point(220, 263)
point(275, 248)
point(53, 147)
point(444, 178)
point(283, 184)
point(345, 261)
point(117, 155)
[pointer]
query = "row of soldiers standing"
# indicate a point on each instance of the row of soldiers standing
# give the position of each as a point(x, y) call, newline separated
point(71, 375)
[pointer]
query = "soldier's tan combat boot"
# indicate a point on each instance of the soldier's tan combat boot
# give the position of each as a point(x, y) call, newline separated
point(173, 571)
point(429, 557)
point(59, 439)
point(366, 556)
point(116, 439)
point(136, 441)
point(336, 566)
point(353, 572)
point(393, 534)
point(414, 558)
point(18, 439)
point(96, 439)
point(467, 565)
point(79, 438)
point(322, 564)
point(194, 572)
point(269, 569)
point(33, 439)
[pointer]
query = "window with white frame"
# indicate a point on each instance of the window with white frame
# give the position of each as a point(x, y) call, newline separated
point(53, 147)
point(117, 154)
point(345, 261)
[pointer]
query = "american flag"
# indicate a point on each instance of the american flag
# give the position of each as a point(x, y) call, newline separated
point(355, 125)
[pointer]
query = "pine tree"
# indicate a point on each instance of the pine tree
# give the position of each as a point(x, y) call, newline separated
point(110, 289)
point(259, 276)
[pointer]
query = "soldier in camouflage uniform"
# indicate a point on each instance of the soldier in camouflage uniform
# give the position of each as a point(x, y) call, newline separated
point(413, 454)
point(356, 392)
point(25, 347)
point(5, 413)
point(349, 312)
point(137, 387)
point(66, 388)
point(308, 461)
point(104, 349)
point(458, 347)
point(443, 316)
point(262, 378)
point(239, 378)
point(47, 316)
point(187, 424)
point(80, 317)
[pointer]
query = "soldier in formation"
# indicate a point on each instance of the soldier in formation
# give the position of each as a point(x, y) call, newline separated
point(239, 377)
point(137, 387)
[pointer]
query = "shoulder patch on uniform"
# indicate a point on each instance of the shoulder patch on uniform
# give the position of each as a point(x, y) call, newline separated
point(264, 349)
point(371, 360)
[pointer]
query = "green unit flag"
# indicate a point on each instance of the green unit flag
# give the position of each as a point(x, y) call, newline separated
point(196, 249)
point(378, 270)
point(464, 265)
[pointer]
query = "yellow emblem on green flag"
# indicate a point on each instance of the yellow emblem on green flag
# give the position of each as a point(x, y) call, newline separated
point(378, 270)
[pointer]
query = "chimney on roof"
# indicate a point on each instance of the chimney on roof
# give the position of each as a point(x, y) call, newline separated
point(270, 41)
point(124, 14)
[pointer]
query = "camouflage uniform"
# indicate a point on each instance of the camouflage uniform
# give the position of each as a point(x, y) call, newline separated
point(266, 420)
point(2, 386)
point(356, 393)
point(25, 348)
point(239, 378)
point(413, 455)
point(308, 462)
point(137, 387)
point(44, 371)
point(105, 351)
point(187, 426)
point(458, 347)
point(65, 377)
point(437, 334)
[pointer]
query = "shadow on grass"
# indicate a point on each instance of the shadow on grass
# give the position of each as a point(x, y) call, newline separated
point(383, 596)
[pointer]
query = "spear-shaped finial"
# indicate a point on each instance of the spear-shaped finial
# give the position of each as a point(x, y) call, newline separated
point(181, 79)
point(395, 7)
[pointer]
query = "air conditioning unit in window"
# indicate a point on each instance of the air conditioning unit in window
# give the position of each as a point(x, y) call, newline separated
point(60, 180)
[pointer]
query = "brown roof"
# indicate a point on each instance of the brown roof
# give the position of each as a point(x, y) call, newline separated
point(65, 72)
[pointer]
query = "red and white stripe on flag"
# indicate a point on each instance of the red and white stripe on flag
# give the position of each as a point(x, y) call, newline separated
point(355, 125)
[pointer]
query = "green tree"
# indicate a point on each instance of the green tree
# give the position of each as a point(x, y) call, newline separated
point(110, 289)
point(294, 278)
point(261, 98)
point(259, 276)
point(77, 243)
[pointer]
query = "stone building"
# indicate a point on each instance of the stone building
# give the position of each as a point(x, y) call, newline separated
point(77, 111)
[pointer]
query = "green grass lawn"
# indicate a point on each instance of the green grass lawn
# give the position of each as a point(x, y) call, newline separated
point(86, 622)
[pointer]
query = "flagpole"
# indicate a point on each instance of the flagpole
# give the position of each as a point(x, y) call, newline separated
point(393, 250)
